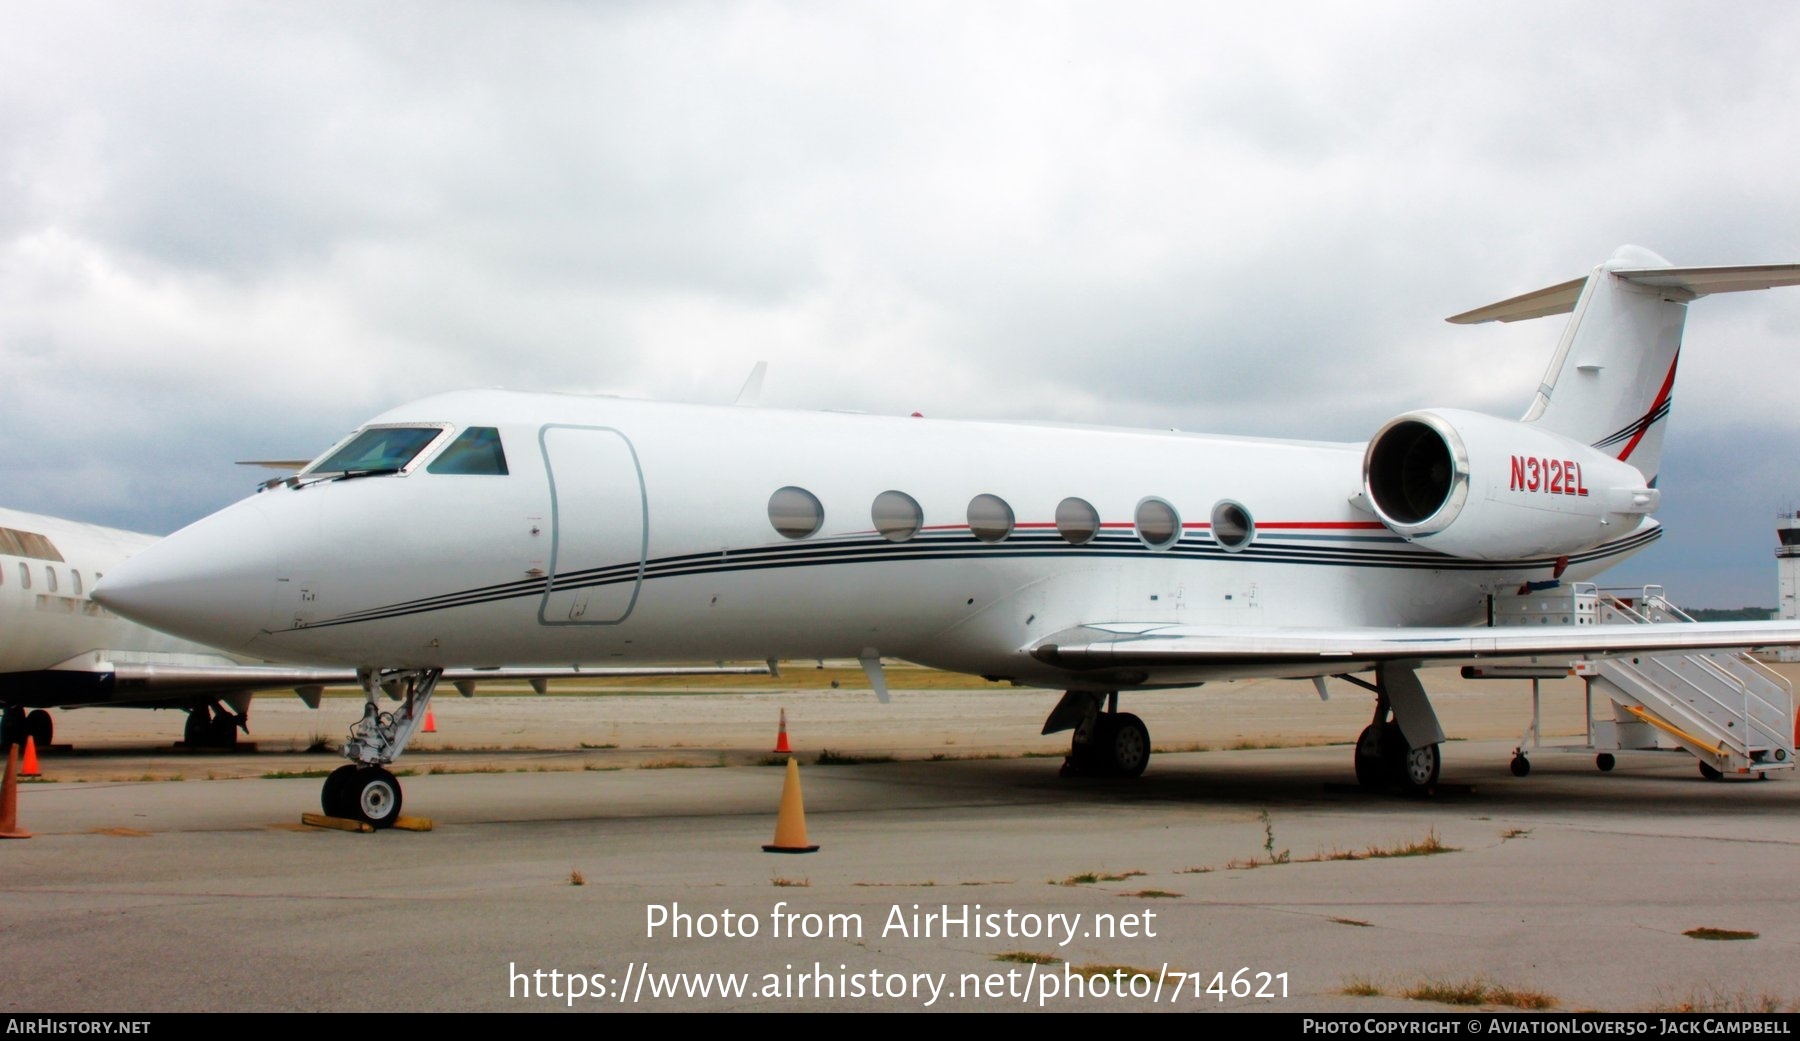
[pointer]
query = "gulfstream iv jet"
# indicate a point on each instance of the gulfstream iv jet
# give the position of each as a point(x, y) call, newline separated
point(489, 528)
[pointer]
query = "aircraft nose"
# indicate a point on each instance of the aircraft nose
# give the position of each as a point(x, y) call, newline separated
point(211, 582)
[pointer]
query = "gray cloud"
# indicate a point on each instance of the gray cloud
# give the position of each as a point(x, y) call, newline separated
point(235, 231)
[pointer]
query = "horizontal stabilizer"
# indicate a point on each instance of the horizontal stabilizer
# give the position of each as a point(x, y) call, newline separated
point(1699, 281)
point(1557, 299)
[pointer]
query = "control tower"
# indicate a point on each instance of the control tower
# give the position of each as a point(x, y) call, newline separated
point(1787, 560)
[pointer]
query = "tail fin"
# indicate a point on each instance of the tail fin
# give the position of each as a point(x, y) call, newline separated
point(1610, 381)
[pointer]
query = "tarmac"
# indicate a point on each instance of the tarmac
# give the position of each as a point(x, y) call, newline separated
point(611, 846)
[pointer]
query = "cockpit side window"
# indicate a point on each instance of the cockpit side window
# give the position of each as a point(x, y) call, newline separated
point(475, 451)
point(378, 450)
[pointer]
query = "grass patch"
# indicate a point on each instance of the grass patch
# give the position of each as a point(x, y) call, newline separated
point(439, 769)
point(1114, 971)
point(1028, 958)
point(1709, 933)
point(1153, 894)
point(1088, 878)
point(1514, 833)
point(1425, 847)
point(121, 833)
point(829, 758)
point(319, 744)
point(596, 748)
point(1361, 986)
point(668, 764)
point(1713, 999)
point(1476, 991)
point(291, 775)
point(576, 878)
point(1353, 921)
point(927, 884)
point(597, 768)
point(791, 883)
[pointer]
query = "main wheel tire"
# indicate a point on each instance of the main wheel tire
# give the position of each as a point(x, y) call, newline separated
point(223, 732)
point(1127, 745)
point(376, 795)
point(1370, 763)
point(1419, 769)
point(199, 726)
point(40, 728)
point(334, 797)
point(1605, 762)
point(12, 727)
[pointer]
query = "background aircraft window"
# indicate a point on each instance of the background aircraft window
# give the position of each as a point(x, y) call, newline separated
point(75, 581)
point(897, 516)
point(24, 576)
point(49, 578)
point(1232, 526)
point(795, 512)
point(1157, 523)
point(475, 451)
point(378, 449)
point(990, 518)
point(1076, 521)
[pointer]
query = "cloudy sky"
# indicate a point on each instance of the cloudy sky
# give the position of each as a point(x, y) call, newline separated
point(233, 231)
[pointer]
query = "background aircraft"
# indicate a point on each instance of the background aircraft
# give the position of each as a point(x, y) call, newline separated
point(60, 649)
point(485, 527)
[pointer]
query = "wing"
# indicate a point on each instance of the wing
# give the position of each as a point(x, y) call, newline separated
point(1175, 654)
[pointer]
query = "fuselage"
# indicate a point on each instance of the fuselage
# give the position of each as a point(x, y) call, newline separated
point(625, 531)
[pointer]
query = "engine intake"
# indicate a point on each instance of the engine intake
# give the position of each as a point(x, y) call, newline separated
point(1492, 489)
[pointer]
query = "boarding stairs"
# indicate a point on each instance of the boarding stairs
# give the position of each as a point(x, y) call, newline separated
point(1726, 709)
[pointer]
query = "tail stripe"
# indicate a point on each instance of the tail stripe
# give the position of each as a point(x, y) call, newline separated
point(1658, 409)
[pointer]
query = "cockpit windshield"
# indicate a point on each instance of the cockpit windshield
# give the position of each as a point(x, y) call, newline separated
point(475, 451)
point(378, 450)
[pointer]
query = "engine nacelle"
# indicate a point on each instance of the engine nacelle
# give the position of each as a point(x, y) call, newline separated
point(1491, 489)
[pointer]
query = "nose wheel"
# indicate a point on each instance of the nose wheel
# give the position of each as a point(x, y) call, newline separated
point(364, 789)
point(364, 793)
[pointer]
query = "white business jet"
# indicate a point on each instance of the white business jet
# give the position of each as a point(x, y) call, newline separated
point(60, 649)
point(489, 527)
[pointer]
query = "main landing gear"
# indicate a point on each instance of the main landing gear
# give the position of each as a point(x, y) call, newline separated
point(1105, 743)
point(1385, 757)
point(364, 789)
point(212, 725)
point(16, 725)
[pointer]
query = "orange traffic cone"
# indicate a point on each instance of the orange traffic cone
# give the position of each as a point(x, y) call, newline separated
point(781, 742)
point(9, 798)
point(29, 767)
point(790, 826)
point(430, 722)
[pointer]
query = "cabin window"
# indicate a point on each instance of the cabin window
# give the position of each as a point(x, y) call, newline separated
point(1076, 521)
point(795, 512)
point(475, 451)
point(24, 575)
point(990, 518)
point(1232, 527)
point(75, 581)
point(1158, 524)
point(378, 450)
point(897, 516)
point(49, 579)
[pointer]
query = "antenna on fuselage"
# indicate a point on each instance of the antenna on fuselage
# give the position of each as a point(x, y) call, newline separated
point(751, 395)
